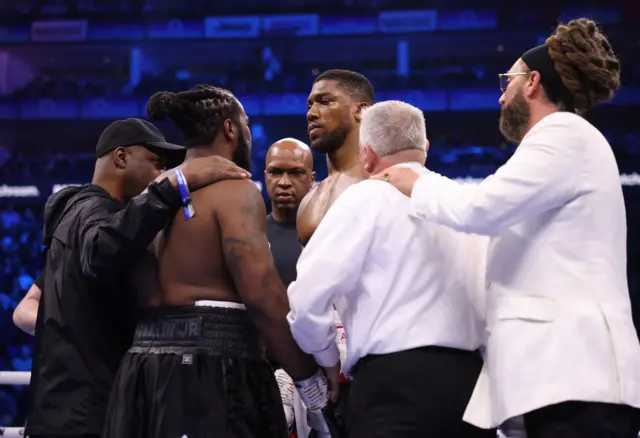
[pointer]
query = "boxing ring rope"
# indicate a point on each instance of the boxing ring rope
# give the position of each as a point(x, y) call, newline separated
point(13, 378)
point(22, 378)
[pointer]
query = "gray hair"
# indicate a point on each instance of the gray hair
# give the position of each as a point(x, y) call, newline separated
point(393, 126)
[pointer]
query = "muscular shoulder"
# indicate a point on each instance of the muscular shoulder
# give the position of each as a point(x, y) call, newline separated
point(309, 195)
point(233, 191)
point(233, 197)
point(307, 199)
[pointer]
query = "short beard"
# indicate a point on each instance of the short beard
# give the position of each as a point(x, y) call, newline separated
point(331, 141)
point(514, 118)
point(242, 154)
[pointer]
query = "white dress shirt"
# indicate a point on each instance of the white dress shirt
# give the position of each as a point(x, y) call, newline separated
point(397, 282)
point(558, 309)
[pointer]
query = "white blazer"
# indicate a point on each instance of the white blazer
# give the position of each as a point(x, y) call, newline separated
point(558, 309)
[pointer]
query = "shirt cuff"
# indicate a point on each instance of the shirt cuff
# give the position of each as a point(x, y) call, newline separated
point(167, 193)
point(329, 357)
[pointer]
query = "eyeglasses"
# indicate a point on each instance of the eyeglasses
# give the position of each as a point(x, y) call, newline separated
point(503, 79)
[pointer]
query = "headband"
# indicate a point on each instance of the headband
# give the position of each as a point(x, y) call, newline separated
point(538, 59)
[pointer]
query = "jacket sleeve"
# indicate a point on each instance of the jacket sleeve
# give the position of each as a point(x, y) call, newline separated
point(111, 239)
point(40, 280)
point(544, 173)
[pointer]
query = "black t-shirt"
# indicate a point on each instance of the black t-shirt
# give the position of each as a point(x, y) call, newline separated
point(87, 314)
point(285, 248)
point(40, 280)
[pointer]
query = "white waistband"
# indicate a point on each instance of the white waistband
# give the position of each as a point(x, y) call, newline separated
point(227, 304)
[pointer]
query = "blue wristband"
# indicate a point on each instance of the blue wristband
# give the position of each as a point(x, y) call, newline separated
point(189, 211)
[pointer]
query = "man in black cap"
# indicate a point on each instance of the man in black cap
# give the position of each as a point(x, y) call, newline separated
point(93, 234)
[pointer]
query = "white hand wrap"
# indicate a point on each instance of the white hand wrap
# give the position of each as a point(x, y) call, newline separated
point(314, 391)
point(285, 384)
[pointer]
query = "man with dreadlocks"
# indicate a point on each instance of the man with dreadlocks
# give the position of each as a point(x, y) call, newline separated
point(563, 351)
point(210, 296)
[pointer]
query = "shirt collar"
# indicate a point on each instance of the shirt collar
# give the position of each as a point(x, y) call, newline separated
point(413, 165)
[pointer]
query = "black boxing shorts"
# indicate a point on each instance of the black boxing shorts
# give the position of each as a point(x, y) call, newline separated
point(195, 372)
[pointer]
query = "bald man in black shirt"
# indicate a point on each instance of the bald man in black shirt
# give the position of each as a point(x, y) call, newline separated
point(288, 176)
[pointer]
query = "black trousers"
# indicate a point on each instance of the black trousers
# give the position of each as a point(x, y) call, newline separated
point(583, 420)
point(420, 393)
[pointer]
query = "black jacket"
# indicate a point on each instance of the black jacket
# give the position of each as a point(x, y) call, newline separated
point(87, 314)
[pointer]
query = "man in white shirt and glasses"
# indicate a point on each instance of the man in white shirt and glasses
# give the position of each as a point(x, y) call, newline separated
point(404, 290)
point(562, 348)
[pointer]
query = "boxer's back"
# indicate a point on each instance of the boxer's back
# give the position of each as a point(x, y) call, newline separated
point(318, 201)
point(190, 261)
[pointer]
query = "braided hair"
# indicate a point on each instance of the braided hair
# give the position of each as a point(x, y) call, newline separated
point(585, 62)
point(198, 113)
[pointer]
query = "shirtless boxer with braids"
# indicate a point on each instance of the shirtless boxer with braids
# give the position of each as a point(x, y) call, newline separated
point(210, 295)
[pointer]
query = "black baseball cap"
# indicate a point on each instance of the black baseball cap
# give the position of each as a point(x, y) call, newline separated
point(132, 132)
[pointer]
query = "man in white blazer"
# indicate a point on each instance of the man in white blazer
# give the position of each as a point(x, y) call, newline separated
point(562, 348)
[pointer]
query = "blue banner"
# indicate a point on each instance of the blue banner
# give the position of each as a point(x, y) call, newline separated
point(426, 100)
point(474, 99)
point(276, 104)
point(464, 20)
point(176, 29)
point(57, 31)
point(298, 25)
point(8, 109)
point(14, 33)
point(252, 104)
point(601, 14)
point(49, 109)
point(424, 20)
point(232, 27)
point(407, 21)
point(108, 108)
point(116, 30)
point(289, 104)
point(348, 24)
point(627, 96)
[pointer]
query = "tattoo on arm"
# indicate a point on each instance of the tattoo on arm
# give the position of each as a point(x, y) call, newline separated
point(248, 258)
point(246, 247)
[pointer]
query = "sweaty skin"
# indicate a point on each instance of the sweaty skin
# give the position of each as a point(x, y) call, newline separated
point(190, 254)
point(320, 198)
point(222, 254)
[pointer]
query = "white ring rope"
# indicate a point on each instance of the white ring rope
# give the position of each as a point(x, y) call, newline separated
point(14, 378)
point(11, 432)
